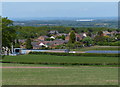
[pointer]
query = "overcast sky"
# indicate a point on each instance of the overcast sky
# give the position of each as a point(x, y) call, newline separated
point(59, 9)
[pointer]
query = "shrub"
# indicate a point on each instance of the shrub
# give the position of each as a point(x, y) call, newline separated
point(77, 54)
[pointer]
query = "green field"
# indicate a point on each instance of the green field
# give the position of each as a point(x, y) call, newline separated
point(52, 59)
point(68, 75)
point(98, 48)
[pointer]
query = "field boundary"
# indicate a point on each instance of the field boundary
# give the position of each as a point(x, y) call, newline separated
point(77, 54)
point(82, 64)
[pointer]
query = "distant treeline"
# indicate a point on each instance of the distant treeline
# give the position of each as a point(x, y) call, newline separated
point(33, 32)
point(72, 23)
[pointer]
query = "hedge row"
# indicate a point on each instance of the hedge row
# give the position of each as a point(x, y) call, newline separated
point(77, 54)
point(46, 63)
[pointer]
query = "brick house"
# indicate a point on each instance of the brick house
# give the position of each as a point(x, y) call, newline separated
point(106, 33)
point(42, 38)
point(78, 37)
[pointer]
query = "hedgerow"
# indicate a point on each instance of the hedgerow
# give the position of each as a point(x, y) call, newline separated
point(77, 54)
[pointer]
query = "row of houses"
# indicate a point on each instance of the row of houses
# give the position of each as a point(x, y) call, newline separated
point(42, 42)
point(50, 44)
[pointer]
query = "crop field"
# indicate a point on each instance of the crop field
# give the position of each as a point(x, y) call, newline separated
point(67, 75)
point(52, 59)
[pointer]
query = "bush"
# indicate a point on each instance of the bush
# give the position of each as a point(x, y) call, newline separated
point(77, 54)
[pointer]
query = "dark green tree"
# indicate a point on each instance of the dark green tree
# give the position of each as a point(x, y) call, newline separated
point(17, 44)
point(109, 30)
point(28, 44)
point(63, 37)
point(100, 33)
point(87, 41)
point(90, 30)
point(8, 32)
point(72, 37)
point(89, 34)
point(73, 29)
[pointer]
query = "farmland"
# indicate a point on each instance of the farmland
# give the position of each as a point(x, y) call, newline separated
point(37, 70)
point(68, 75)
point(53, 59)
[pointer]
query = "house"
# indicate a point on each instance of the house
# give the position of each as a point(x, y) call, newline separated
point(52, 37)
point(106, 33)
point(22, 40)
point(42, 44)
point(53, 32)
point(42, 38)
point(22, 43)
point(59, 42)
point(78, 37)
point(67, 38)
point(51, 44)
point(38, 45)
point(35, 45)
point(60, 34)
point(115, 32)
point(84, 35)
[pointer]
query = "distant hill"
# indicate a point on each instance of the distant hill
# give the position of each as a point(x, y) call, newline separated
point(110, 22)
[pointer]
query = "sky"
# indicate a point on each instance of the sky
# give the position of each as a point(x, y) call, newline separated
point(59, 9)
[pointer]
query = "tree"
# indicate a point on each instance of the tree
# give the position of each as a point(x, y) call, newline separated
point(17, 44)
point(88, 41)
point(89, 34)
point(77, 44)
point(118, 30)
point(100, 39)
point(28, 44)
point(109, 30)
point(73, 29)
point(8, 33)
point(100, 33)
point(82, 31)
point(61, 37)
point(72, 37)
point(90, 30)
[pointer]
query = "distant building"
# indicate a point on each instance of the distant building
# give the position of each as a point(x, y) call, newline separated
point(51, 44)
point(53, 32)
point(67, 37)
point(60, 34)
point(42, 38)
point(106, 33)
point(35, 45)
point(52, 37)
point(78, 37)
point(22, 40)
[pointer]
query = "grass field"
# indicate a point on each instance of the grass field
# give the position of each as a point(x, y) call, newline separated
point(52, 59)
point(98, 48)
point(68, 75)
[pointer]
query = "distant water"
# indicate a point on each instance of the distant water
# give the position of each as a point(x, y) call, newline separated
point(92, 51)
point(25, 51)
point(102, 51)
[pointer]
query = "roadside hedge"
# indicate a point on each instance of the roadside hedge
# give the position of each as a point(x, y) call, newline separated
point(77, 54)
